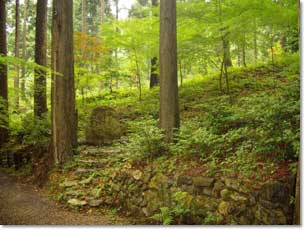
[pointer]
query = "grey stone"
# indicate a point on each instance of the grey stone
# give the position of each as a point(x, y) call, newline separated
point(68, 184)
point(203, 181)
point(76, 202)
point(95, 203)
point(186, 180)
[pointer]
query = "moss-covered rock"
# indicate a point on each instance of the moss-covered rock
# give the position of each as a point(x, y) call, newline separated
point(104, 126)
point(225, 208)
point(203, 181)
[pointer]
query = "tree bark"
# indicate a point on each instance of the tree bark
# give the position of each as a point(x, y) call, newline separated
point(297, 217)
point(40, 92)
point(255, 42)
point(154, 77)
point(169, 106)
point(244, 50)
point(3, 77)
point(63, 91)
point(102, 10)
point(84, 16)
point(226, 47)
point(17, 38)
point(24, 33)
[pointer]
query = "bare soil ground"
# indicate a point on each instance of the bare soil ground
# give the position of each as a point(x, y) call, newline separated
point(22, 204)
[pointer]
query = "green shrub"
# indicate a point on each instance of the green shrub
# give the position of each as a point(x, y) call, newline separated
point(30, 131)
point(146, 139)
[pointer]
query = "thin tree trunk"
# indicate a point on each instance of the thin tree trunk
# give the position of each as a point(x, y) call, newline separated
point(154, 77)
point(102, 10)
point(3, 77)
point(17, 38)
point(181, 72)
point(244, 50)
point(117, 30)
point(255, 42)
point(64, 138)
point(139, 76)
point(40, 92)
point(24, 33)
point(220, 76)
point(169, 105)
point(238, 55)
point(84, 16)
point(297, 217)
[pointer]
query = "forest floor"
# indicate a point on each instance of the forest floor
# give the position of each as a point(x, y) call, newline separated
point(22, 204)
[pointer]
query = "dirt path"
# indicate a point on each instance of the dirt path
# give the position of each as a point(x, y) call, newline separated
point(22, 205)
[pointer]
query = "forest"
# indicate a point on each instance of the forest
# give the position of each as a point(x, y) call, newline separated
point(147, 112)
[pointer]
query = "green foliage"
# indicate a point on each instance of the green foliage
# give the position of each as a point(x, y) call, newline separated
point(263, 124)
point(145, 140)
point(30, 131)
point(165, 216)
point(181, 207)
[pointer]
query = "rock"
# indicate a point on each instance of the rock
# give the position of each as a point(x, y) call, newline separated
point(68, 184)
point(145, 211)
point(184, 180)
point(237, 197)
point(104, 126)
point(158, 181)
point(218, 186)
point(73, 193)
point(266, 216)
point(244, 221)
point(203, 181)
point(225, 208)
point(207, 191)
point(84, 171)
point(269, 205)
point(276, 192)
point(225, 194)
point(234, 184)
point(251, 201)
point(188, 188)
point(76, 202)
point(153, 201)
point(95, 203)
point(86, 181)
point(137, 174)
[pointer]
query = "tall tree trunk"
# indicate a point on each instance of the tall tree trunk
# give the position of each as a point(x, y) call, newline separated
point(24, 33)
point(244, 50)
point(255, 42)
point(297, 217)
point(102, 11)
point(84, 16)
point(226, 47)
point(40, 92)
point(181, 72)
point(169, 105)
point(17, 38)
point(63, 91)
point(3, 77)
point(138, 76)
point(117, 30)
point(154, 77)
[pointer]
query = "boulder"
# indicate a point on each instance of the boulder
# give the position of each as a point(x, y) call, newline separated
point(104, 126)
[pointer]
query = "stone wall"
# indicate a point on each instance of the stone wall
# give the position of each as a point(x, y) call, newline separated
point(207, 200)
